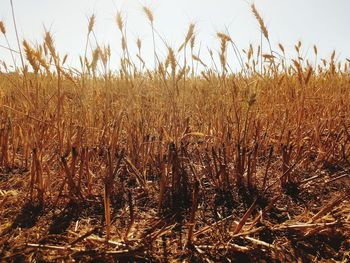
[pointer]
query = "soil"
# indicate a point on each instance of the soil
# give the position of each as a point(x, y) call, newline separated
point(288, 229)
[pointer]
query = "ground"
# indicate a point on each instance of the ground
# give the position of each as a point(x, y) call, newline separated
point(308, 221)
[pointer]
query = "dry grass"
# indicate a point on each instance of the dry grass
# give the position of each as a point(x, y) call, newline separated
point(166, 164)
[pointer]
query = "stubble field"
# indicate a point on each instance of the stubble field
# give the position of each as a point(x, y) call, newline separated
point(177, 162)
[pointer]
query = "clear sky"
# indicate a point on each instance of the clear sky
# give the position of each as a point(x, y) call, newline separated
point(325, 23)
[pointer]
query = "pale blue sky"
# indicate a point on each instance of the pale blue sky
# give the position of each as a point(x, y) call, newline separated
point(325, 23)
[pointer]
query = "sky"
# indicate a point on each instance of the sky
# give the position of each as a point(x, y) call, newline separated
point(321, 22)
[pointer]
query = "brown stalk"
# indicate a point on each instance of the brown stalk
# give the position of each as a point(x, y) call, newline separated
point(264, 211)
point(328, 207)
point(132, 216)
point(4, 139)
point(107, 210)
point(245, 218)
point(193, 214)
point(73, 189)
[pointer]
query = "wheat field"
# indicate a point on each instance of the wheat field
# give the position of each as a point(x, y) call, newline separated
point(180, 161)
